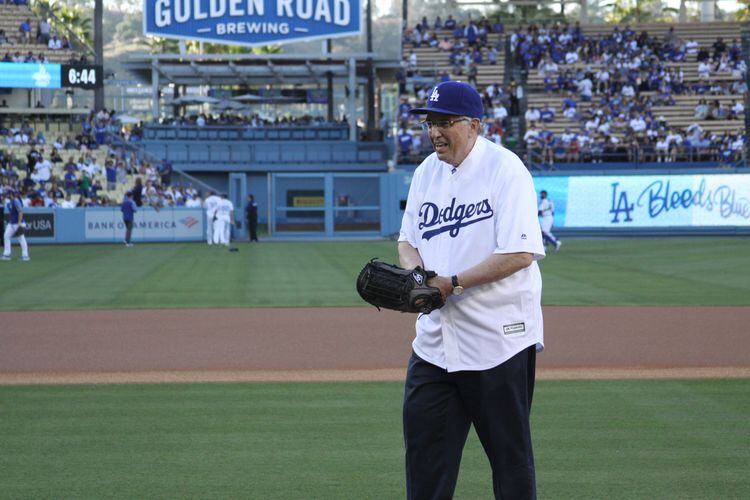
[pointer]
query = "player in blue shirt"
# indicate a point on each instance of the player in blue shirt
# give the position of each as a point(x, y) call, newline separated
point(16, 227)
point(128, 209)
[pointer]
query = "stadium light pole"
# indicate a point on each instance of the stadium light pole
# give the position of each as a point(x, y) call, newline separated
point(329, 84)
point(370, 78)
point(99, 50)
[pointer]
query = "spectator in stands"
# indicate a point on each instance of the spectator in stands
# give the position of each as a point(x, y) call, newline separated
point(585, 87)
point(42, 170)
point(24, 30)
point(499, 113)
point(405, 142)
point(165, 172)
point(446, 44)
point(70, 182)
point(110, 173)
point(472, 74)
point(736, 109)
point(719, 48)
point(43, 32)
point(637, 124)
point(84, 185)
point(3, 104)
point(450, 23)
point(492, 55)
point(701, 110)
point(516, 95)
point(54, 156)
point(547, 114)
point(55, 43)
point(532, 115)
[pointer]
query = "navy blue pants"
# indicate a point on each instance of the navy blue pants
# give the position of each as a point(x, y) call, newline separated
point(439, 409)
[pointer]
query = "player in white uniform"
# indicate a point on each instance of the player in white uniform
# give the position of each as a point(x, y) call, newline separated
point(210, 205)
point(471, 217)
point(14, 207)
point(546, 211)
point(224, 221)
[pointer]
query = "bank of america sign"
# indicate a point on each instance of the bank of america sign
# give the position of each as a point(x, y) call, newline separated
point(252, 22)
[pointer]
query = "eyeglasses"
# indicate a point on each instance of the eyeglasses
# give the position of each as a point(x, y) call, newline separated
point(441, 124)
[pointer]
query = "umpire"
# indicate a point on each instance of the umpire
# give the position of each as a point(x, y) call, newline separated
point(471, 216)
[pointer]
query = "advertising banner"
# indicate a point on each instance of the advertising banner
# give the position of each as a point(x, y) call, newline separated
point(29, 75)
point(252, 22)
point(38, 225)
point(164, 225)
point(645, 201)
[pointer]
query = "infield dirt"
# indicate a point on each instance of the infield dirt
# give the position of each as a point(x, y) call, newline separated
point(326, 344)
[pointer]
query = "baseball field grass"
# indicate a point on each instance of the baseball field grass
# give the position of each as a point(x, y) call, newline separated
point(665, 439)
point(621, 271)
point(644, 439)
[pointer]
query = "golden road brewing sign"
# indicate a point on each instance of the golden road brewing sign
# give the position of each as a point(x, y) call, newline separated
point(252, 22)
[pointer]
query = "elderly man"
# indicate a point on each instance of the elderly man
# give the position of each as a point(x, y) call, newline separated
point(471, 216)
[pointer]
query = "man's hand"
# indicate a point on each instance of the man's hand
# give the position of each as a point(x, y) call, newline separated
point(445, 285)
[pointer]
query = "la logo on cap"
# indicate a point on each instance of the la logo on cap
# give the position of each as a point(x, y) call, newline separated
point(434, 96)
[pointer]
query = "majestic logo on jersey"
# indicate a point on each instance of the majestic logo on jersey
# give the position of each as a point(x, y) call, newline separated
point(434, 96)
point(453, 217)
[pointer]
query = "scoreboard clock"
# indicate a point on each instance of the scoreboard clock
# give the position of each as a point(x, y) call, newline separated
point(84, 76)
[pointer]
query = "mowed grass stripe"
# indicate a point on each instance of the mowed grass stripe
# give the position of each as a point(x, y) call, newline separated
point(621, 271)
point(616, 439)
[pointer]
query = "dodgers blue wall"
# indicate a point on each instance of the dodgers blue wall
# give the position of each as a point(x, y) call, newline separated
point(104, 225)
point(608, 204)
point(649, 202)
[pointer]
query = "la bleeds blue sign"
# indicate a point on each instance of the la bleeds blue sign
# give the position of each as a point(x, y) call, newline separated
point(252, 22)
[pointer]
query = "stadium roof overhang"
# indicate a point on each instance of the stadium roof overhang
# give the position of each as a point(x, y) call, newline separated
point(254, 70)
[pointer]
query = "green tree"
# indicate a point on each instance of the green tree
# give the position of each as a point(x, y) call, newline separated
point(743, 10)
point(638, 11)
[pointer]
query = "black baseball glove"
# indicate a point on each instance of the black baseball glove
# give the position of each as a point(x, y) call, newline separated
point(20, 231)
point(393, 287)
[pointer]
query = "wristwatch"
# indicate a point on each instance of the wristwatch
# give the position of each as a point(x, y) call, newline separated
point(457, 289)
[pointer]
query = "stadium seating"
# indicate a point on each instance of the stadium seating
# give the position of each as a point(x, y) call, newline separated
point(678, 115)
point(432, 62)
point(11, 17)
point(100, 156)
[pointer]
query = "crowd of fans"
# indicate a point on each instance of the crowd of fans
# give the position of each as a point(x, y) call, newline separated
point(658, 142)
point(254, 121)
point(41, 34)
point(609, 85)
point(67, 171)
point(611, 93)
point(467, 47)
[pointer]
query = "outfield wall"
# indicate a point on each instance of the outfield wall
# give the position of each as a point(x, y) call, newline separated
point(661, 202)
point(104, 225)
point(332, 205)
point(650, 203)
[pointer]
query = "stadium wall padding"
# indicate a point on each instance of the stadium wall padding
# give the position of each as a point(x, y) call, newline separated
point(605, 204)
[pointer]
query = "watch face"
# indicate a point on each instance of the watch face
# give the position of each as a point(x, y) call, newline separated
point(458, 290)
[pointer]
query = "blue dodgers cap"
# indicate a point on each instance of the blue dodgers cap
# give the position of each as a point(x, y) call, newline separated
point(453, 98)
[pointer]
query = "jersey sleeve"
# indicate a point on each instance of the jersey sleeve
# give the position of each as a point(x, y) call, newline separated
point(517, 224)
point(408, 222)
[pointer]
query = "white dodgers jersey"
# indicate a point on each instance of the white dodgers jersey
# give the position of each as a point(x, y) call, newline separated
point(211, 204)
point(546, 207)
point(224, 210)
point(457, 218)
